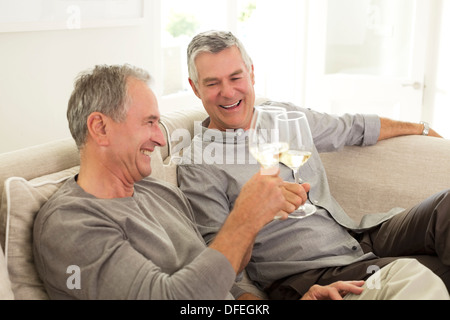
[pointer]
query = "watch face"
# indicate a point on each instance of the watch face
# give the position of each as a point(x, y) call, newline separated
point(426, 128)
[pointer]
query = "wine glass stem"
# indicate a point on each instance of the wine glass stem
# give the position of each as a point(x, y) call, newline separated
point(297, 175)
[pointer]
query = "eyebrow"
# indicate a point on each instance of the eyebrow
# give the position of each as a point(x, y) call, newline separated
point(152, 117)
point(206, 80)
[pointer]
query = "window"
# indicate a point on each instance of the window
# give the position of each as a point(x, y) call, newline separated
point(370, 38)
point(180, 21)
point(267, 29)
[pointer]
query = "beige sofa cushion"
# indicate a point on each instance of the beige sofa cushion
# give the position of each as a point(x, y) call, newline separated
point(6, 292)
point(36, 161)
point(398, 172)
point(180, 126)
point(163, 171)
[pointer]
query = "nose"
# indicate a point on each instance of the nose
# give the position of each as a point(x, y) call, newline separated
point(227, 90)
point(158, 137)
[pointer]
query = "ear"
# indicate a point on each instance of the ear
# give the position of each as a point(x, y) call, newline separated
point(97, 125)
point(194, 88)
point(252, 75)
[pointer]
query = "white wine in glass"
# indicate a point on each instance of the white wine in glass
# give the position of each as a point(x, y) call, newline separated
point(295, 133)
point(264, 142)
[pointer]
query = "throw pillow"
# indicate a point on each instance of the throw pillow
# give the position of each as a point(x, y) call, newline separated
point(22, 200)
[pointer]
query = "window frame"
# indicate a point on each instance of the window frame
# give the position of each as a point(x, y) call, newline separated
point(181, 100)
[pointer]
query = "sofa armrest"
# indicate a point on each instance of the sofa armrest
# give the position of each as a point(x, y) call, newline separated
point(398, 172)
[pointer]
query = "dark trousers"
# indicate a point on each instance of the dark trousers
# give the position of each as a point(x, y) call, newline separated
point(422, 232)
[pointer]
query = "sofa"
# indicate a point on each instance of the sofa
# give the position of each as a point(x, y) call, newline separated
point(398, 172)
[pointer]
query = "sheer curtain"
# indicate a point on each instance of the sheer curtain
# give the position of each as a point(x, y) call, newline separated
point(272, 31)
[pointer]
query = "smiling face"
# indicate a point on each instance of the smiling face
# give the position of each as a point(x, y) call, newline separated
point(225, 86)
point(133, 140)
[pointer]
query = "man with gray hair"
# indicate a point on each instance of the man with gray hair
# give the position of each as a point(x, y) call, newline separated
point(289, 256)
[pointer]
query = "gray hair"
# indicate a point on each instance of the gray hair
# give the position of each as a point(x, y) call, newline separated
point(213, 42)
point(102, 89)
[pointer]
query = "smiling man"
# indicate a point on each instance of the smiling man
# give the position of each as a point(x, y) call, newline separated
point(225, 86)
point(127, 145)
point(290, 256)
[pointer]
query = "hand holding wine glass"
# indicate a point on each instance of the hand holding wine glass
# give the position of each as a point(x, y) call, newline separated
point(294, 132)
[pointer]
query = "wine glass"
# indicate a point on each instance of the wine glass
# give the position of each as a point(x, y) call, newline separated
point(294, 132)
point(264, 137)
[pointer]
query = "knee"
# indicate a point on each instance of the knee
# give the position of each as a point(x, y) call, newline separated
point(443, 203)
point(446, 195)
point(410, 275)
point(410, 264)
point(440, 203)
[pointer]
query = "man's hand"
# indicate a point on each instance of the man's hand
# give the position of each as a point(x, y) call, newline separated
point(334, 291)
point(248, 296)
point(295, 194)
point(265, 196)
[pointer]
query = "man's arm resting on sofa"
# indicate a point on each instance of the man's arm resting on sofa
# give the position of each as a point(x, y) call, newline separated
point(392, 128)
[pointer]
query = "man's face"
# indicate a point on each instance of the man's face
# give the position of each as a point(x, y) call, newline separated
point(225, 86)
point(135, 139)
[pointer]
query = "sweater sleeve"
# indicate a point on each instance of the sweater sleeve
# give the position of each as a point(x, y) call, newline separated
point(333, 132)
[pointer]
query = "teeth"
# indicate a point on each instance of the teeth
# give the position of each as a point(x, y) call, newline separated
point(232, 106)
point(146, 152)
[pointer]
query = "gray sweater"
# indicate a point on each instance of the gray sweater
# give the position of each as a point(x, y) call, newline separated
point(143, 247)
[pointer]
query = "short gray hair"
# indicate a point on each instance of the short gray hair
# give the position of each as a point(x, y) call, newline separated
point(213, 42)
point(102, 89)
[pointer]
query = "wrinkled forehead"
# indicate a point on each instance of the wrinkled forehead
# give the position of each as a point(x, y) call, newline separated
point(222, 64)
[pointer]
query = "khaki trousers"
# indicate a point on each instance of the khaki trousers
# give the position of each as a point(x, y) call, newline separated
point(403, 279)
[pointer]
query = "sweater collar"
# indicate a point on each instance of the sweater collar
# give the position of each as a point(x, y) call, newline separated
point(230, 135)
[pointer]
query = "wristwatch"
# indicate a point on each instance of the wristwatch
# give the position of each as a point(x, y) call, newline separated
point(426, 128)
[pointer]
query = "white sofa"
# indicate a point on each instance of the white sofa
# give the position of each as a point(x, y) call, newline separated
point(396, 172)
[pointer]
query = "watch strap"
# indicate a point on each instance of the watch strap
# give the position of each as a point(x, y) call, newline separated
point(426, 128)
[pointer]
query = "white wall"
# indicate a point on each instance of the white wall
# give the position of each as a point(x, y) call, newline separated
point(37, 70)
point(437, 92)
